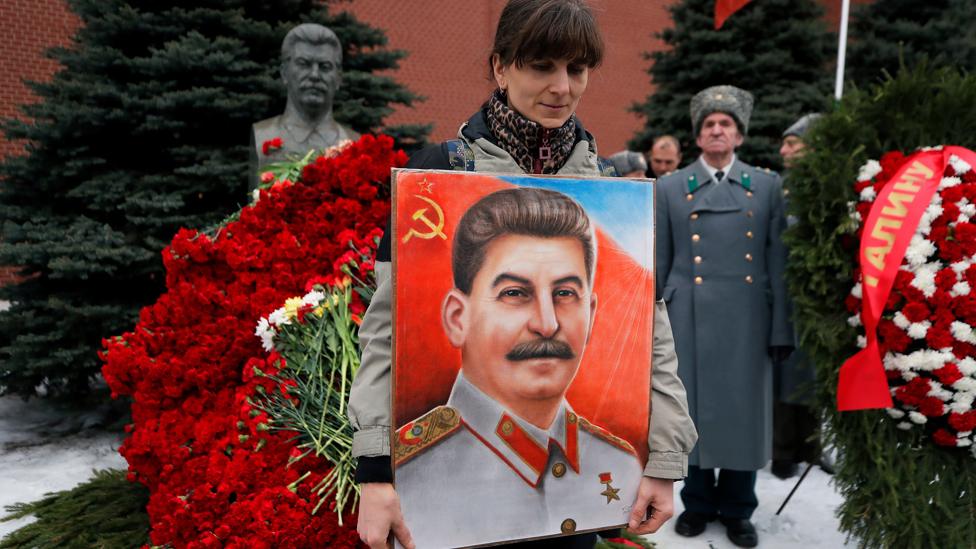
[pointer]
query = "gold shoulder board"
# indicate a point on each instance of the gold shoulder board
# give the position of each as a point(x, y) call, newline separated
point(424, 432)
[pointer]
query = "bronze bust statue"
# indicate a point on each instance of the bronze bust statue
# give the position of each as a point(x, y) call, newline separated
point(311, 68)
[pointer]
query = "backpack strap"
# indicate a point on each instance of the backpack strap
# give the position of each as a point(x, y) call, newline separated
point(460, 156)
point(606, 167)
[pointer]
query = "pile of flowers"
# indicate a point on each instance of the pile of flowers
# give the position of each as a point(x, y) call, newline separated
point(218, 470)
point(926, 332)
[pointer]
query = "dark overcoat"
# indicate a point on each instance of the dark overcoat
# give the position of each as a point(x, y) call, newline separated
point(720, 268)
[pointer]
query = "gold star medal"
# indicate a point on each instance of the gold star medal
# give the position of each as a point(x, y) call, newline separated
point(610, 492)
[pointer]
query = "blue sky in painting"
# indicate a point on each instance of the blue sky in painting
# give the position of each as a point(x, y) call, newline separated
point(622, 208)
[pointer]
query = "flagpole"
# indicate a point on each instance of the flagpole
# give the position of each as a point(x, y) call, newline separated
point(841, 50)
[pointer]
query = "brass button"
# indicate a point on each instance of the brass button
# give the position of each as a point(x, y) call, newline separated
point(507, 427)
point(749, 194)
point(694, 216)
point(748, 279)
point(698, 280)
point(689, 197)
point(695, 238)
point(748, 257)
point(568, 526)
point(698, 259)
point(748, 234)
point(749, 213)
point(572, 417)
point(558, 469)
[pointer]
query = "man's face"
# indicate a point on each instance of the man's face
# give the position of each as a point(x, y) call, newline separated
point(523, 328)
point(719, 134)
point(664, 159)
point(791, 149)
point(312, 75)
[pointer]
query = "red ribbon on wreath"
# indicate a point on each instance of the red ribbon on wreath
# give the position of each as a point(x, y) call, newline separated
point(889, 228)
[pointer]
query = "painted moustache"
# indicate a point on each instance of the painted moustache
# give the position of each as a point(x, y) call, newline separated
point(541, 348)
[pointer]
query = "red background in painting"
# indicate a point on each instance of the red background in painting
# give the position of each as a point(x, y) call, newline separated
point(612, 387)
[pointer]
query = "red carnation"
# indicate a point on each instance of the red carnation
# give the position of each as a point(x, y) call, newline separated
point(914, 391)
point(944, 438)
point(948, 374)
point(271, 145)
point(916, 312)
point(939, 337)
point(931, 407)
point(963, 422)
point(890, 163)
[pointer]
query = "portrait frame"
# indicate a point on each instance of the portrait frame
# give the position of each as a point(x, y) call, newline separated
point(609, 392)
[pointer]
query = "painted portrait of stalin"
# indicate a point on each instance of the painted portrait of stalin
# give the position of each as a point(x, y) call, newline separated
point(507, 457)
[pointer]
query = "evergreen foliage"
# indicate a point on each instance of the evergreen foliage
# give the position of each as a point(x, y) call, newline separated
point(108, 511)
point(900, 489)
point(884, 32)
point(779, 50)
point(144, 130)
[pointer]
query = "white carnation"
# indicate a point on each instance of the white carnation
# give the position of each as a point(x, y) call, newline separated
point(904, 426)
point(868, 194)
point(925, 279)
point(266, 333)
point(854, 321)
point(966, 384)
point(870, 169)
point(960, 266)
point(279, 318)
point(963, 397)
point(901, 320)
point(958, 164)
point(959, 288)
point(919, 250)
point(949, 182)
point(962, 331)
point(857, 291)
point(862, 341)
point(917, 330)
point(917, 417)
point(967, 366)
point(313, 298)
point(963, 442)
point(895, 413)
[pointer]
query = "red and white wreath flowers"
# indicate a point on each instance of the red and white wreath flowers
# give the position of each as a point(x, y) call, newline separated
point(927, 331)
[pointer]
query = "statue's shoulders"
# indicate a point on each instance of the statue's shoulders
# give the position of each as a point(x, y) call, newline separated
point(267, 124)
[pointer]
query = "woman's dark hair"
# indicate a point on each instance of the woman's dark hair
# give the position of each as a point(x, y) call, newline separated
point(529, 30)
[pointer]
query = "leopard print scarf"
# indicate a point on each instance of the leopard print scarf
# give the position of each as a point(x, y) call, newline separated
point(531, 145)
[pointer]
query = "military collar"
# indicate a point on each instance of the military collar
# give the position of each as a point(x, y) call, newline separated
point(301, 131)
point(524, 447)
point(699, 176)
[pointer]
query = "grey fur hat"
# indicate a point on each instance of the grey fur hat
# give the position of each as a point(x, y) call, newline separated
point(731, 100)
point(800, 127)
point(627, 161)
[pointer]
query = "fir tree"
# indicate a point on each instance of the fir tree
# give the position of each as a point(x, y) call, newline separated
point(900, 489)
point(779, 50)
point(142, 131)
point(885, 32)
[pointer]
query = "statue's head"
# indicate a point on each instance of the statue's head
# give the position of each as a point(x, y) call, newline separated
point(311, 67)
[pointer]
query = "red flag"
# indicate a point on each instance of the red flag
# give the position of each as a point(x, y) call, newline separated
point(725, 8)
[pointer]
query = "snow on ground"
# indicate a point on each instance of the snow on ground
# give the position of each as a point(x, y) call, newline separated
point(35, 460)
point(808, 520)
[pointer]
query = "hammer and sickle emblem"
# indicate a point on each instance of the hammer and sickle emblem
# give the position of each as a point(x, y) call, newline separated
point(436, 229)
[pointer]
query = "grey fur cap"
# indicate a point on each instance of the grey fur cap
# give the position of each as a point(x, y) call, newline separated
point(800, 127)
point(627, 161)
point(731, 100)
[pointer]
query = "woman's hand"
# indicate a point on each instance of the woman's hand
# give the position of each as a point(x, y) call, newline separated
point(379, 513)
point(655, 500)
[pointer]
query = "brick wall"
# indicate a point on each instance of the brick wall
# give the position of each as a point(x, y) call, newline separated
point(27, 29)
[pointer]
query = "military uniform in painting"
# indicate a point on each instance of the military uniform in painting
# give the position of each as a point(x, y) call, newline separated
point(465, 469)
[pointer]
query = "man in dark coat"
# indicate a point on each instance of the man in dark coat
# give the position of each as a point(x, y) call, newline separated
point(720, 266)
point(794, 421)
